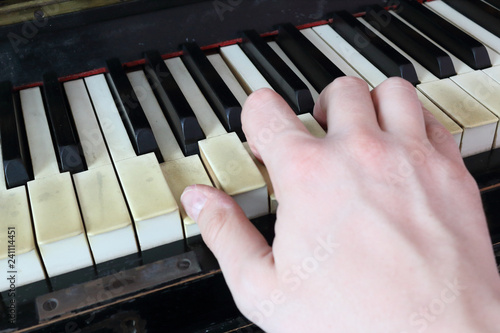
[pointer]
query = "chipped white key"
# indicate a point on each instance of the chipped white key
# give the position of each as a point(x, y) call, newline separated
point(484, 89)
point(366, 69)
point(491, 42)
point(228, 77)
point(153, 207)
point(442, 117)
point(294, 68)
point(17, 235)
point(57, 221)
point(109, 227)
point(180, 174)
point(478, 123)
point(329, 52)
point(243, 69)
point(233, 171)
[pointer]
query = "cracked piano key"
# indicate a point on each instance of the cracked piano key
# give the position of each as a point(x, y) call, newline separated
point(478, 123)
point(484, 89)
point(131, 113)
point(102, 204)
point(422, 50)
point(382, 55)
point(317, 68)
point(223, 155)
point(277, 73)
point(294, 68)
point(490, 41)
point(15, 155)
point(366, 69)
point(64, 136)
point(484, 14)
point(175, 108)
point(465, 47)
point(217, 93)
point(228, 77)
point(243, 69)
point(151, 203)
point(15, 215)
point(56, 216)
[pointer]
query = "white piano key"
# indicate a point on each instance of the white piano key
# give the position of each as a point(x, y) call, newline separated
point(102, 204)
point(442, 117)
point(228, 77)
point(56, 216)
point(329, 52)
point(478, 123)
point(180, 174)
point(58, 225)
point(107, 221)
point(116, 136)
point(294, 68)
point(232, 170)
point(493, 72)
point(312, 125)
point(153, 206)
point(462, 22)
point(154, 209)
point(366, 69)
point(15, 220)
point(243, 69)
point(42, 152)
point(484, 89)
point(206, 117)
point(164, 136)
point(92, 141)
point(460, 66)
point(423, 74)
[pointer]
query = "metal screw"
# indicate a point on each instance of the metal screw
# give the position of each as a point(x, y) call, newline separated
point(184, 264)
point(50, 304)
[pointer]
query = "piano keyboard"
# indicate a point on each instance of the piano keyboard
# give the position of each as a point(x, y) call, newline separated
point(95, 167)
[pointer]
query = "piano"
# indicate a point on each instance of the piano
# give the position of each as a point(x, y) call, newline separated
point(109, 111)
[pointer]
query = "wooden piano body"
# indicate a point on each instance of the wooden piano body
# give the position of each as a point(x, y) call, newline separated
point(190, 295)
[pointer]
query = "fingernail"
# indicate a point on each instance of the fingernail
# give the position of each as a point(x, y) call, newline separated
point(193, 201)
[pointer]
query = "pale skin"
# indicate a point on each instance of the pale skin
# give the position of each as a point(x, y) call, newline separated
point(379, 228)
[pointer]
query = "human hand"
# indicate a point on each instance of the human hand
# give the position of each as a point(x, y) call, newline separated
point(379, 227)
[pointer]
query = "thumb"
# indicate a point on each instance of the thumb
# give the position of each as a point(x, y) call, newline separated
point(243, 254)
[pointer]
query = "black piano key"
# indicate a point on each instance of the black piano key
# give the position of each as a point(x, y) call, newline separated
point(226, 106)
point(480, 12)
point(382, 55)
point(315, 66)
point(277, 73)
point(174, 105)
point(421, 49)
point(494, 3)
point(463, 46)
point(131, 112)
point(15, 151)
point(64, 136)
